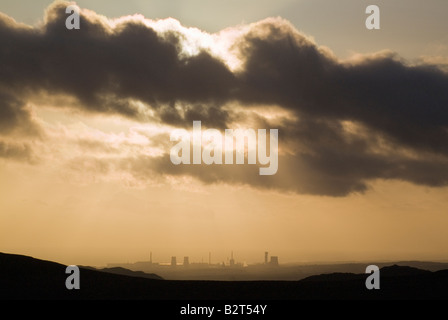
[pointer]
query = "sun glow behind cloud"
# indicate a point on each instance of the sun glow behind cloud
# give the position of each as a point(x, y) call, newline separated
point(193, 40)
point(175, 75)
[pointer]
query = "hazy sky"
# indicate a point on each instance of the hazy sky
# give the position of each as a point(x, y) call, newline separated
point(85, 119)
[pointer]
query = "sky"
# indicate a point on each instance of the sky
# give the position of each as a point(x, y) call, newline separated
point(86, 117)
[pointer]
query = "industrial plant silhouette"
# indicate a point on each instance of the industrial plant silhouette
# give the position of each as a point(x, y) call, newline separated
point(231, 269)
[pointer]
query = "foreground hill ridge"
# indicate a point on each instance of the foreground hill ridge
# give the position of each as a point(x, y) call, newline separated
point(126, 272)
point(24, 277)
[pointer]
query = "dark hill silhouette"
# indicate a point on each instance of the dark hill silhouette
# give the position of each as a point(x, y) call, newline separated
point(23, 277)
point(396, 270)
point(126, 272)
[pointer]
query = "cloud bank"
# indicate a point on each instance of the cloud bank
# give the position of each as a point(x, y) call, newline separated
point(341, 123)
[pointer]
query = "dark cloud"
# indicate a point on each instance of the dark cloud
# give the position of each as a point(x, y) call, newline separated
point(409, 104)
point(15, 117)
point(400, 110)
point(210, 116)
point(17, 151)
point(104, 67)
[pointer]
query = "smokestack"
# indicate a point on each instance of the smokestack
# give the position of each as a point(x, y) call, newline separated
point(232, 262)
point(266, 257)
